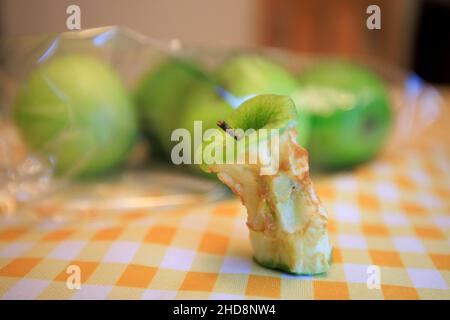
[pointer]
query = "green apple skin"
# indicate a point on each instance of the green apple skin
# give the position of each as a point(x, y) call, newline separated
point(203, 104)
point(76, 109)
point(249, 74)
point(242, 75)
point(160, 96)
point(350, 114)
point(245, 74)
point(265, 112)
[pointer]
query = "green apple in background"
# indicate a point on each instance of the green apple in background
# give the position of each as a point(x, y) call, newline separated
point(160, 96)
point(203, 104)
point(76, 109)
point(249, 74)
point(241, 75)
point(349, 110)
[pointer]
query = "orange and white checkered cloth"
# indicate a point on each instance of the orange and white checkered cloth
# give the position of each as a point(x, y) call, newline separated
point(393, 213)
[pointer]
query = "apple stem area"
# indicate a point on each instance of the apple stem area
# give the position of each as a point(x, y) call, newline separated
point(226, 127)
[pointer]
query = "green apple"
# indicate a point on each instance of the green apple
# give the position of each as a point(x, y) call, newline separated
point(76, 109)
point(349, 110)
point(160, 96)
point(287, 222)
point(242, 76)
point(205, 105)
point(249, 74)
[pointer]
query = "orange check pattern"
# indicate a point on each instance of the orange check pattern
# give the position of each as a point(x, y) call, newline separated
point(393, 213)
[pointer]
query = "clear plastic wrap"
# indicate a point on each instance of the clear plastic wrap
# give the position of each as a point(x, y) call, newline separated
point(29, 178)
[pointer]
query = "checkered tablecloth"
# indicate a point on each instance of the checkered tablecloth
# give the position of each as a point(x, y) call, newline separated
point(393, 213)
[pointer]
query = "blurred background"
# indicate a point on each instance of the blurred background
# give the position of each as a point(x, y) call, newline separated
point(412, 37)
point(413, 32)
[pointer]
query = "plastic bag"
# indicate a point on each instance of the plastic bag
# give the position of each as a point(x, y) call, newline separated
point(29, 178)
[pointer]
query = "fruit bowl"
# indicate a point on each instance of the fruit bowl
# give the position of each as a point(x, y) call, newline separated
point(72, 120)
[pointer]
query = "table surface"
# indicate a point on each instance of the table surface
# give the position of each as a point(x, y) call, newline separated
point(393, 213)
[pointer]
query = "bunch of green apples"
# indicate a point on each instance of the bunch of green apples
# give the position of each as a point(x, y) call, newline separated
point(343, 111)
point(76, 110)
point(242, 76)
point(176, 94)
